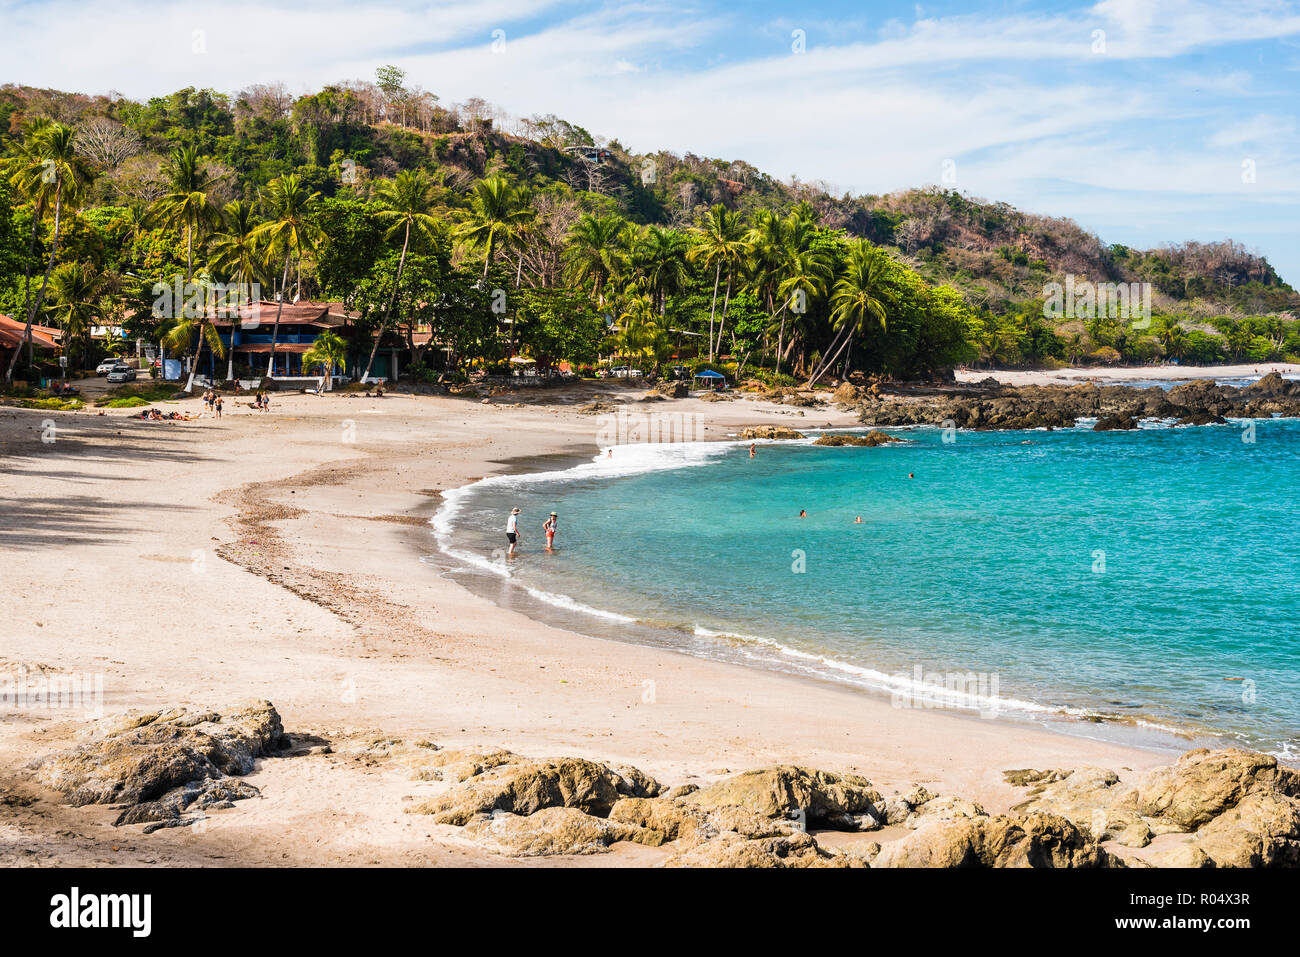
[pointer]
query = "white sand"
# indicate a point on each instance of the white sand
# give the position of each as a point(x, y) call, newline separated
point(114, 537)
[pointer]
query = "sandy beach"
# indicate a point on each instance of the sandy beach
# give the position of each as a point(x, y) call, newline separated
point(279, 556)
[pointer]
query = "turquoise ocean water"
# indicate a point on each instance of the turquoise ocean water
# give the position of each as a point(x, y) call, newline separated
point(1120, 575)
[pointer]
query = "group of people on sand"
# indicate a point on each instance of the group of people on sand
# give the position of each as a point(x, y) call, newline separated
point(512, 531)
point(213, 403)
point(153, 415)
point(262, 402)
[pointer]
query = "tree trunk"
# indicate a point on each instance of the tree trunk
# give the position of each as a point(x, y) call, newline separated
point(717, 277)
point(726, 304)
point(401, 265)
point(49, 267)
point(279, 308)
point(34, 304)
point(827, 363)
point(27, 297)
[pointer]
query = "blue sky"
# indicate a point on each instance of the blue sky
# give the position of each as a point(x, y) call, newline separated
point(1177, 121)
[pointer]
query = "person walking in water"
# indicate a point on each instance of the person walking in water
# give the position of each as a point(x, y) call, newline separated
point(549, 527)
point(512, 531)
point(751, 450)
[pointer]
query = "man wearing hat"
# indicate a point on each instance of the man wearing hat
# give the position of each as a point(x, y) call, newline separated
point(549, 528)
point(512, 530)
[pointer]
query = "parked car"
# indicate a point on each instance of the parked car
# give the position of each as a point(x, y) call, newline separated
point(122, 373)
point(107, 366)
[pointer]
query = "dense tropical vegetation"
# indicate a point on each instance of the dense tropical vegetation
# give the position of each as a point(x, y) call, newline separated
point(473, 245)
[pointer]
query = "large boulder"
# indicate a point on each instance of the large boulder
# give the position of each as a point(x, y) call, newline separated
point(556, 830)
point(1112, 423)
point(1201, 395)
point(843, 802)
point(527, 787)
point(794, 850)
point(1273, 385)
point(1017, 840)
point(1200, 417)
point(771, 432)
point(681, 820)
point(1241, 806)
point(141, 757)
point(673, 389)
point(847, 394)
point(872, 439)
point(1203, 784)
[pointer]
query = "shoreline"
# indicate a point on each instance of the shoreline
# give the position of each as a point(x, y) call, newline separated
point(264, 556)
point(482, 578)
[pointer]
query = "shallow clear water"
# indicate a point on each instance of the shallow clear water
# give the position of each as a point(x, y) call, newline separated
point(1126, 574)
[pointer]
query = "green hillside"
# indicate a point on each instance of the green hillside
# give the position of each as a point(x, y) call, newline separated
point(537, 237)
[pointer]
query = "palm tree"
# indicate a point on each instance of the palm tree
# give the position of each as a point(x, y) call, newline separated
point(188, 204)
point(238, 256)
point(329, 351)
point(1173, 337)
point(857, 303)
point(290, 228)
point(497, 211)
point(788, 267)
point(660, 256)
point(78, 291)
point(722, 245)
point(48, 172)
point(595, 252)
point(237, 251)
point(409, 199)
point(637, 328)
point(194, 329)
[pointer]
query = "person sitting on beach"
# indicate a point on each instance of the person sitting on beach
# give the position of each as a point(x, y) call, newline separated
point(512, 531)
point(549, 527)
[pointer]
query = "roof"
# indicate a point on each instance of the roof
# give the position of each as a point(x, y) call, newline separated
point(328, 315)
point(280, 347)
point(11, 334)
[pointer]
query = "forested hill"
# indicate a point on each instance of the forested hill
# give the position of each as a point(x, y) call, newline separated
point(347, 138)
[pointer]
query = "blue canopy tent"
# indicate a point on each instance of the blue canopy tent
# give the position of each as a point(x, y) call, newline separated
point(708, 379)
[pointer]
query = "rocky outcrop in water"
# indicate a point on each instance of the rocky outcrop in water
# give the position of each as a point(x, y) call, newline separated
point(771, 432)
point(1112, 423)
point(872, 439)
point(991, 405)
